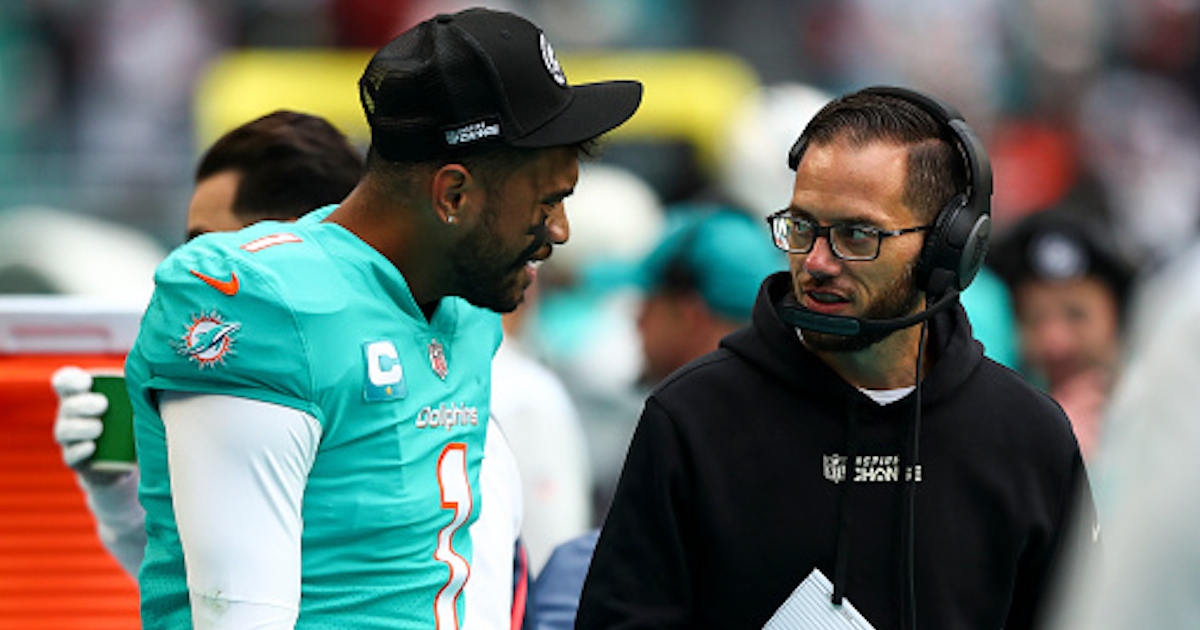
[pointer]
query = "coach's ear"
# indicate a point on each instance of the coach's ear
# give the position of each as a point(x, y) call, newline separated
point(457, 195)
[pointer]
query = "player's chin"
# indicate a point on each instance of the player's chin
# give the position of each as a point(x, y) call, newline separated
point(513, 298)
point(519, 288)
point(505, 296)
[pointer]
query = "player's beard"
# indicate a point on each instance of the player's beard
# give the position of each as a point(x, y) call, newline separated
point(490, 276)
point(898, 300)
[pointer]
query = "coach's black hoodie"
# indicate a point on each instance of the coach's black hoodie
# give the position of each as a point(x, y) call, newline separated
point(757, 464)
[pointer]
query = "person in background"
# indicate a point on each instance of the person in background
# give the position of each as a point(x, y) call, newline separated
point(1145, 575)
point(584, 326)
point(279, 166)
point(699, 283)
point(544, 429)
point(988, 303)
point(310, 443)
point(1070, 287)
point(851, 452)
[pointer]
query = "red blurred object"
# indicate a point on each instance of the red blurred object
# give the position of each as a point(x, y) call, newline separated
point(54, 573)
point(1033, 164)
point(369, 23)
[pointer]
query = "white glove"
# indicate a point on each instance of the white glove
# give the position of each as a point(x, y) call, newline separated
point(112, 497)
point(77, 424)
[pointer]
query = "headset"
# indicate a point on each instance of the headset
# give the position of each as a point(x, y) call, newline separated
point(955, 245)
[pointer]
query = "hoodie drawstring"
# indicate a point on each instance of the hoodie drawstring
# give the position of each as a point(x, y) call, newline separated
point(912, 476)
point(842, 559)
point(908, 496)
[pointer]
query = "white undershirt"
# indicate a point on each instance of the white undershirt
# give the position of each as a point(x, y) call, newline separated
point(238, 470)
point(887, 396)
point(235, 456)
point(880, 396)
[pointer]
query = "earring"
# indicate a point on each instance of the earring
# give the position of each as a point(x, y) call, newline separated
point(451, 219)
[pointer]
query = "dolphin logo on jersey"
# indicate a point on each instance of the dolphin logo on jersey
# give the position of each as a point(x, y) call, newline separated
point(207, 340)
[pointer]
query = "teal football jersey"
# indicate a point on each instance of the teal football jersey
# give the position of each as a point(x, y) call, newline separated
point(307, 315)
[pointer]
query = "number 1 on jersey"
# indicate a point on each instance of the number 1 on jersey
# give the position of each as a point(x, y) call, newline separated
point(456, 496)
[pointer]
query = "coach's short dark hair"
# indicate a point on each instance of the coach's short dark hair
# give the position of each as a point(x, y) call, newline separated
point(935, 169)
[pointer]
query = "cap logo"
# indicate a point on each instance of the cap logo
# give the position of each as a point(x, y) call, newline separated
point(374, 78)
point(473, 132)
point(1058, 256)
point(551, 61)
point(368, 102)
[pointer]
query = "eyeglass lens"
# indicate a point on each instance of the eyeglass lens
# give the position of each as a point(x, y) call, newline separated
point(849, 242)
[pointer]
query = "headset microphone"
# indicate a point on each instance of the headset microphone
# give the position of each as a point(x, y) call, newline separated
point(794, 314)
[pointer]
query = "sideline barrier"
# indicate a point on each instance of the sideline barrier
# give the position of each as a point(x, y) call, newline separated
point(54, 573)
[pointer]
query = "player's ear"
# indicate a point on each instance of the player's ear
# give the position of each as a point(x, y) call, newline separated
point(455, 194)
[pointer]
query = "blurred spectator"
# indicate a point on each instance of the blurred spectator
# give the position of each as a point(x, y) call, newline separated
point(585, 325)
point(753, 172)
point(953, 49)
point(1141, 130)
point(1037, 162)
point(373, 23)
point(612, 24)
point(776, 36)
point(1070, 286)
point(107, 120)
point(1162, 38)
point(545, 432)
point(139, 61)
point(1147, 572)
point(1151, 414)
point(25, 76)
point(1057, 47)
point(1140, 134)
point(279, 166)
point(700, 282)
point(989, 307)
point(369, 23)
point(554, 599)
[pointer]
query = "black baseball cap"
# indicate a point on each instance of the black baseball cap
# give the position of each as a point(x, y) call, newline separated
point(1060, 244)
point(458, 84)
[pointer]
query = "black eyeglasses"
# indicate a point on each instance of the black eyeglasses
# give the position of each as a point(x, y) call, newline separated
point(796, 235)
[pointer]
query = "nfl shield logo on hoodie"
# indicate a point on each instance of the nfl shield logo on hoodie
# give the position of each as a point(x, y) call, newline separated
point(834, 467)
point(437, 359)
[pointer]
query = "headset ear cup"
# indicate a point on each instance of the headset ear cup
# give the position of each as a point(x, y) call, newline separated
point(929, 250)
point(940, 261)
point(974, 251)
